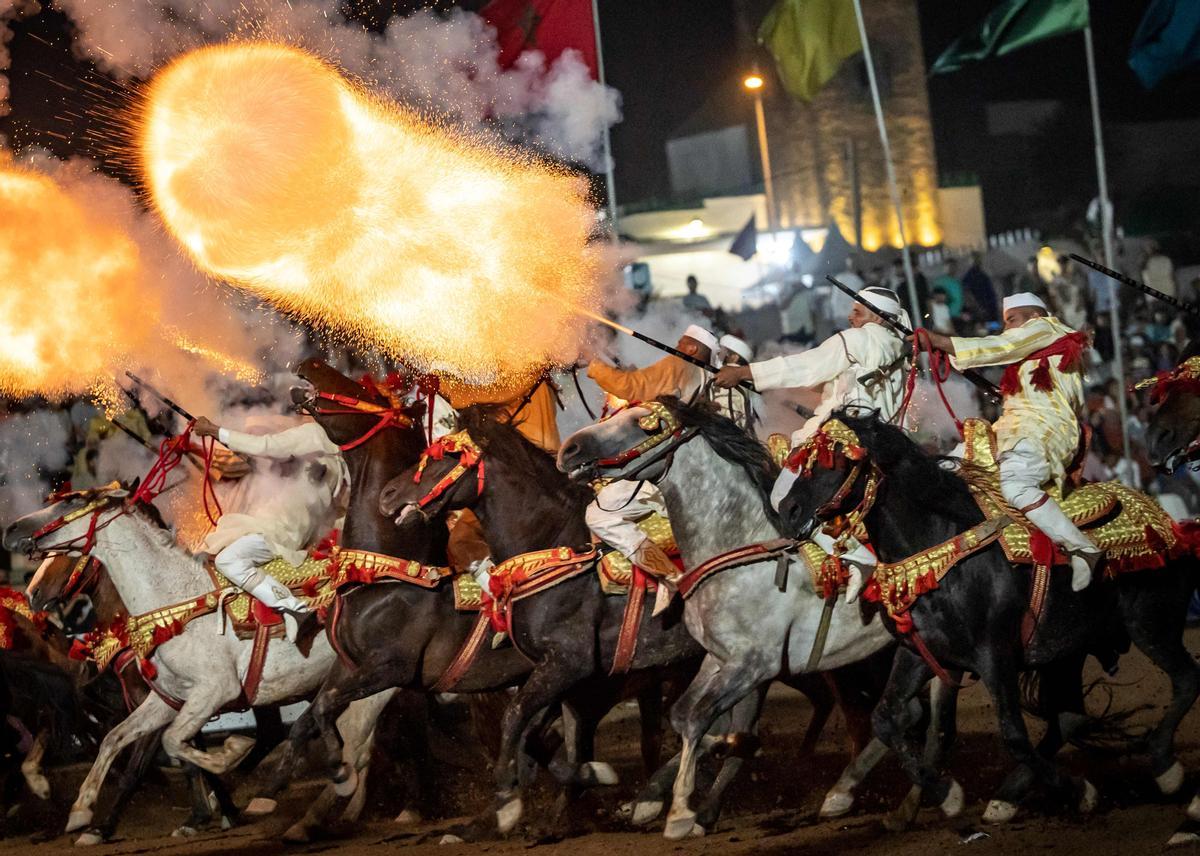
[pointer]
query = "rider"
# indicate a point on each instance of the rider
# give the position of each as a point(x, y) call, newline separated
point(862, 366)
point(1038, 432)
point(284, 523)
point(621, 505)
point(738, 403)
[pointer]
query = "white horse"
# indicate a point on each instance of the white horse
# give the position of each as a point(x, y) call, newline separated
point(716, 482)
point(203, 666)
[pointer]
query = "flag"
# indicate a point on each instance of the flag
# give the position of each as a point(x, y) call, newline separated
point(746, 242)
point(1167, 41)
point(1013, 25)
point(809, 40)
point(549, 26)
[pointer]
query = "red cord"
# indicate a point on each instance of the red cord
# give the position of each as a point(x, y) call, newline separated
point(170, 454)
point(939, 366)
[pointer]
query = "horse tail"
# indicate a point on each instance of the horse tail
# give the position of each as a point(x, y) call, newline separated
point(1108, 732)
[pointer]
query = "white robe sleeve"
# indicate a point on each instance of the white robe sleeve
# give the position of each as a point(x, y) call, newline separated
point(307, 439)
point(811, 368)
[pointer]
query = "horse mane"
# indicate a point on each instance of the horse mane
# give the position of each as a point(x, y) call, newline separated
point(1191, 349)
point(917, 476)
point(489, 428)
point(732, 444)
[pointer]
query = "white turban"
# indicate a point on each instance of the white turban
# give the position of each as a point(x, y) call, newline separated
point(738, 346)
point(1024, 298)
point(885, 302)
point(705, 338)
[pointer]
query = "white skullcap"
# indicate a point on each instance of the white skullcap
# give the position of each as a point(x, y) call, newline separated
point(704, 337)
point(738, 346)
point(1024, 298)
point(885, 301)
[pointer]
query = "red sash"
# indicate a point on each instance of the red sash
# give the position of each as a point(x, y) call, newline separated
point(1070, 348)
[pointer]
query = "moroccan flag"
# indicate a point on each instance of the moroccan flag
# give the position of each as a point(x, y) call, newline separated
point(1167, 41)
point(1011, 26)
point(809, 40)
point(549, 26)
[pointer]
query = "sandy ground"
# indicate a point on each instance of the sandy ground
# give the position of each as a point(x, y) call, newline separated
point(771, 810)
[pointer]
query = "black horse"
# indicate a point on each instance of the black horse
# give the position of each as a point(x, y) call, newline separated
point(972, 620)
point(1174, 428)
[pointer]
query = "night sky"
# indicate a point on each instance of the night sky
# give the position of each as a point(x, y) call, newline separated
point(668, 57)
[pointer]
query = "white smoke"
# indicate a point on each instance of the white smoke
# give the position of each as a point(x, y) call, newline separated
point(32, 446)
point(444, 65)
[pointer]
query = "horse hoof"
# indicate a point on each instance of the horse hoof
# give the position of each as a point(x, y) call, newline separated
point(345, 781)
point(1171, 781)
point(1193, 809)
point(1090, 798)
point(236, 748)
point(598, 773)
point(508, 815)
point(999, 811)
point(836, 804)
point(89, 839)
point(79, 819)
point(184, 831)
point(260, 807)
point(648, 812)
point(679, 826)
point(451, 839)
point(39, 785)
point(408, 817)
point(698, 831)
point(1182, 839)
point(952, 805)
point(226, 823)
point(297, 833)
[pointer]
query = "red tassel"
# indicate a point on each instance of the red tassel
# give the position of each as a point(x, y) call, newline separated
point(1010, 383)
point(148, 669)
point(310, 587)
point(79, 650)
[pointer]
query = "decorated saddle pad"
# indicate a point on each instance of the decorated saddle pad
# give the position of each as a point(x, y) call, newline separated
point(1129, 526)
point(616, 571)
point(310, 581)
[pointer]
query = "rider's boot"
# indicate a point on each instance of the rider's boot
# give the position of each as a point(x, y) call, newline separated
point(1059, 528)
point(651, 559)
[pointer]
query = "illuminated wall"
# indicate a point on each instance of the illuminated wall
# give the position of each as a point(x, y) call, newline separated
point(809, 142)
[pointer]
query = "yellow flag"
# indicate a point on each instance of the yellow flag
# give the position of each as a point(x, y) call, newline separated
point(809, 40)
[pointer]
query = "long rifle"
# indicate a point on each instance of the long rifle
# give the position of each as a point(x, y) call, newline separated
point(171, 404)
point(893, 323)
point(1190, 308)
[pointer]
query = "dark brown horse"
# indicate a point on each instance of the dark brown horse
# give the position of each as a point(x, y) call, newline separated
point(1173, 435)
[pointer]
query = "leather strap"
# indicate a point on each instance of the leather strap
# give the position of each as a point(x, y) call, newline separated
point(747, 555)
point(466, 655)
point(254, 670)
point(1037, 602)
point(631, 623)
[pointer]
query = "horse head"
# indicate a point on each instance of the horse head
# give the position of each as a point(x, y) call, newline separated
point(348, 410)
point(1171, 436)
point(59, 579)
point(68, 523)
point(446, 478)
point(634, 443)
point(832, 470)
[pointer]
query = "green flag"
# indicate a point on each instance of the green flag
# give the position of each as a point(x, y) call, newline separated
point(809, 40)
point(1013, 25)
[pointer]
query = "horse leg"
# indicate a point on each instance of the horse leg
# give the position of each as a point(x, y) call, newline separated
point(202, 807)
point(999, 673)
point(544, 686)
point(650, 710)
point(31, 766)
point(268, 733)
point(893, 718)
point(141, 759)
point(303, 730)
point(741, 743)
point(203, 701)
point(824, 695)
point(151, 715)
point(1155, 621)
point(715, 689)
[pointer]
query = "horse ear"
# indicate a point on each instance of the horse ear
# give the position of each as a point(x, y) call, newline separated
point(133, 485)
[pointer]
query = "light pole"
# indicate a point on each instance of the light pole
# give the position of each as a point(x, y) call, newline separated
point(754, 82)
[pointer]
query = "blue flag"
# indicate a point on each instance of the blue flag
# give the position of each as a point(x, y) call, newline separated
point(1167, 41)
point(746, 242)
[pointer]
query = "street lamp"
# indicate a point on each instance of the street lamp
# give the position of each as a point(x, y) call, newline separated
point(754, 83)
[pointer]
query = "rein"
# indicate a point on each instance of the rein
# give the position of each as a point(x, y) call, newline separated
point(470, 457)
point(386, 417)
point(669, 428)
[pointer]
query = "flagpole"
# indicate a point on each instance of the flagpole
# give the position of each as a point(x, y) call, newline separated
point(1106, 229)
point(609, 181)
point(917, 314)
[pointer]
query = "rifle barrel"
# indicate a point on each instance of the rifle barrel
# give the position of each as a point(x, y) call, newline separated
point(1190, 308)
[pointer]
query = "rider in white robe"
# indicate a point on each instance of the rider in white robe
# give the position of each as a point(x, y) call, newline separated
point(285, 522)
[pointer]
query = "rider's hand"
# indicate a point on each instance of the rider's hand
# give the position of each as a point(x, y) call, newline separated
point(731, 376)
point(205, 427)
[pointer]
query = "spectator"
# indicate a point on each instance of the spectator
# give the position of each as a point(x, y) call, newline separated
point(1067, 294)
point(950, 284)
point(939, 313)
point(694, 300)
point(899, 284)
point(796, 316)
point(1158, 272)
point(839, 303)
point(977, 287)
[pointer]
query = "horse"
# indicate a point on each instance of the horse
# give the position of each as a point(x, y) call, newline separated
point(971, 619)
point(200, 665)
point(56, 584)
point(1173, 431)
point(407, 636)
point(754, 625)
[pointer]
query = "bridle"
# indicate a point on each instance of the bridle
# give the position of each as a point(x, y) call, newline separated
point(393, 416)
point(668, 434)
point(84, 543)
point(470, 457)
point(835, 439)
point(1184, 378)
